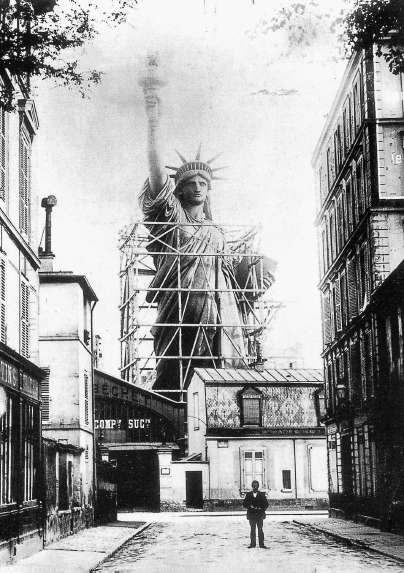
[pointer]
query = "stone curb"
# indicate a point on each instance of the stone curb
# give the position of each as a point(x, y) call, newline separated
point(113, 551)
point(352, 541)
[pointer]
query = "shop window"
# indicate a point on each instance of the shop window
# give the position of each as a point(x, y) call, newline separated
point(251, 407)
point(8, 440)
point(29, 452)
point(252, 468)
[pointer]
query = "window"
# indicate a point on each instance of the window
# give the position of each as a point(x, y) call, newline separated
point(3, 301)
point(3, 142)
point(251, 407)
point(286, 480)
point(252, 468)
point(8, 441)
point(352, 288)
point(86, 408)
point(45, 396)
point(24, 320)
point(317, 468)
point(332, 463)
point(196, 410)
point(24, 181)
point(29, 452)
point(364, 277)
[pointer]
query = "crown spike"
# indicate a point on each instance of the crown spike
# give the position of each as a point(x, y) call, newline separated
point(198, 155)
point(219, 168)
point(222, 178)
point(181, 156)
point(173, 168)
point(213, 158)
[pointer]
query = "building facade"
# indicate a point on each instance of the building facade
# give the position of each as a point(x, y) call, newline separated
point(20, 375)
point(359, 171)
point(65, 344)
point(246, 425)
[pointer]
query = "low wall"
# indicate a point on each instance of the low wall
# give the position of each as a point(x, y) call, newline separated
point(61, 524)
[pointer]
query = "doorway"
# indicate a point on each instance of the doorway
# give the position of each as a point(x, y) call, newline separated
point(194, 490)
point(138, 480)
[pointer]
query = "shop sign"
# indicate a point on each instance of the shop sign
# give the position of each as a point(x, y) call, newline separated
point(30, 386)
point(115, 424)
point(9, 374)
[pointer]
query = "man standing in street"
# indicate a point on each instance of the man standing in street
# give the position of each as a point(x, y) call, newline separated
point(256, 503)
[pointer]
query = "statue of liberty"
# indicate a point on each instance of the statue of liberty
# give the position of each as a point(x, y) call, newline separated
point(199, 315)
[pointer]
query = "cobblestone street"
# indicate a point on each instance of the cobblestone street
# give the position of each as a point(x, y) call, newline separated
point(220, 544)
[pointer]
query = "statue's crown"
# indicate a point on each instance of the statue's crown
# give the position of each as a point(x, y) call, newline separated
point(197, 167)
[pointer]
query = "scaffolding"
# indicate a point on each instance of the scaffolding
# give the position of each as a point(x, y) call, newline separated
point(248, 277)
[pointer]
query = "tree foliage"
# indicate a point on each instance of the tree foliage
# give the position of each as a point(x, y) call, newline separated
point(39, 38)
point(379, 22)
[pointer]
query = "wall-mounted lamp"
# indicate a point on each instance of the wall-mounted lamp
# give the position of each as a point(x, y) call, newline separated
point(341, 392)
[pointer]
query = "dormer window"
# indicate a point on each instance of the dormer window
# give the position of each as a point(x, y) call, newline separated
point(250, 407)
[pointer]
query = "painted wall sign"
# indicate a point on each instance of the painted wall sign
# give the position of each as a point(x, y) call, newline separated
point(9, 374)
point(132, 423)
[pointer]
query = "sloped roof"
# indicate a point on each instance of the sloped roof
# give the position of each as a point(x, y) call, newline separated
point(302, 376)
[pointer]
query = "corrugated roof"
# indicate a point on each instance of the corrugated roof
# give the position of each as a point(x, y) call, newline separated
point(243, 375)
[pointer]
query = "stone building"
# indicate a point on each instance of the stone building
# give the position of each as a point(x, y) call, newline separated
point(67, 302)
point(359, 170)
point(20, 375)
point(239, 425)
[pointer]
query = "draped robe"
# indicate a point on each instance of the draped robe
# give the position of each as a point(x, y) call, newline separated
point(213, 318)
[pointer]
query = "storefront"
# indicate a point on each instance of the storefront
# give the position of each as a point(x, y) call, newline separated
point(20, 456)
point(132, 427)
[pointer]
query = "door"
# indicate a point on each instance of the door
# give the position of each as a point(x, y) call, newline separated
point(194, 490)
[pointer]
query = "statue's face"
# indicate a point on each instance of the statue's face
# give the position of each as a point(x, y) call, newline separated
point(194, 191)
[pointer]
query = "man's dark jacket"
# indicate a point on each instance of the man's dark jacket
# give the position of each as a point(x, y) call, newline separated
point(259, 505)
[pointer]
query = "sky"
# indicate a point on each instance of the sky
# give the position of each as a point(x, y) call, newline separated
point(260, 97)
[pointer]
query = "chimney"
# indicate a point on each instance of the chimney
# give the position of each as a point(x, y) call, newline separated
point(46, 256)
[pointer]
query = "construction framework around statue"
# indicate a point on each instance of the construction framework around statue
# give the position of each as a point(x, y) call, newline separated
point(138, 360)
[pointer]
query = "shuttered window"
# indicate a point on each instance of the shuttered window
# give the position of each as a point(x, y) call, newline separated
point(344, 300)
point(3, 301)
point(86, 408)
point(252, 468)
point(251, 407)
point(3, 166)
point(24, 180)
point(337, 305)
point(24, 320)
point(45, 396)
point(352, 289)
point(327, 322)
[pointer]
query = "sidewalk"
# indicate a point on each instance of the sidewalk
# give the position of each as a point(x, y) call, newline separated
point(387, 544)
point(80, 552)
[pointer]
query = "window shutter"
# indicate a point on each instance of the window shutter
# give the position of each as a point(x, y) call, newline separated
point(3, 333)
point(326, 317)
point(337, 302)
point(45, 396)
point(352, 289)
point(86, 409)
point(344, 301)
point(24, 181)
point(2, 154)
point(24, 320)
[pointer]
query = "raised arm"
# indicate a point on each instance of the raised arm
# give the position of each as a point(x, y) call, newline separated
point(157, 172)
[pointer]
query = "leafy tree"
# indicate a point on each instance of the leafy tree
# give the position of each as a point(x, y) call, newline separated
point(38, 38)
point(379, 22)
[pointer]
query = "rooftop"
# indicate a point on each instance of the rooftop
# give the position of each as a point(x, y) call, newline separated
point(302, 376)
